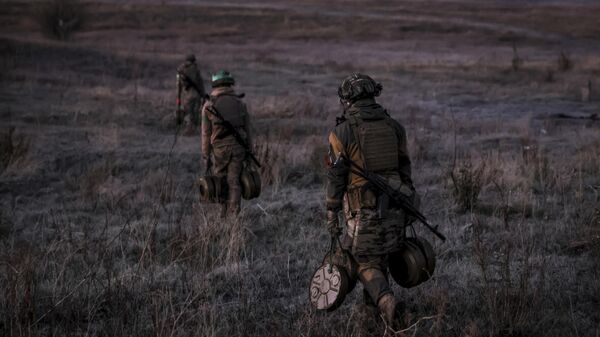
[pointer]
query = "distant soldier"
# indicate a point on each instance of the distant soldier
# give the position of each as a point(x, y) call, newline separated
point(225, 107)
point(190, 92)
point(375, 226)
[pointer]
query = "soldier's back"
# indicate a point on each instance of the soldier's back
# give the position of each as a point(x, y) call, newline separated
point(231, 108)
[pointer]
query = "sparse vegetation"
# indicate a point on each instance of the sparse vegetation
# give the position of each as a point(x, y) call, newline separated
point(13, 148)
point(101, 232)
point(468, 179)
point(564, 62)
point(516, 61)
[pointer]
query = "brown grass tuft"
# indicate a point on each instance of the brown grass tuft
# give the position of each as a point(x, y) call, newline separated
point(13, 148)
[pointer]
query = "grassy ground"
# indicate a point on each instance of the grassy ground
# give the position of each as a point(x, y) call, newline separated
point(101, 231)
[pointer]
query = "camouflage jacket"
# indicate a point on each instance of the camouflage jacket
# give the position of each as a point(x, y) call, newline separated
point(342, 139)
point(230, 106)
point(186, 72)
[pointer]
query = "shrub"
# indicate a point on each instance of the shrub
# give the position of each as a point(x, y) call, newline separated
point(517, 61)
point(467, 181)
point(60, 18)
point(13, 148)
point(564, 62)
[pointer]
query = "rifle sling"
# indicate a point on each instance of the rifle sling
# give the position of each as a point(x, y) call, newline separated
point(190, 83)
point(230, 128)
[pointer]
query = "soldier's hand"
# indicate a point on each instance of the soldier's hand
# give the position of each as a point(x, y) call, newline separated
point(333, 224)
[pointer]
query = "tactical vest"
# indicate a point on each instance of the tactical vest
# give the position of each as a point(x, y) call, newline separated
point(231, 109)
point(377, 143)
point(371, 229)
point(378, 147)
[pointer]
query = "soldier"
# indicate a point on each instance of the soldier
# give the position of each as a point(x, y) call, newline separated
point(218, 139)
point(189, 83)
point(371, 138)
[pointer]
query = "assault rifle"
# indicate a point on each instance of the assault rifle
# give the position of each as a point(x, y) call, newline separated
point(235, 133)
point(381, 184)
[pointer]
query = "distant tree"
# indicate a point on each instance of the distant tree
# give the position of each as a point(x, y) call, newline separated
point(60, 18)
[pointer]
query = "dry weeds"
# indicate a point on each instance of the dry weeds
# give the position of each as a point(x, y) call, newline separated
point(101, 233)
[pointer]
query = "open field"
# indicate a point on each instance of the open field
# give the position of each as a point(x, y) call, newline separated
point(101, 231)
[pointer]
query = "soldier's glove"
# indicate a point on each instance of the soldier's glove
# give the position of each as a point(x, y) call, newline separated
point(333, 224)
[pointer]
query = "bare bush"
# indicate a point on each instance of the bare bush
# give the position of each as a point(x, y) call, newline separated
point(13, 148)
point(60, 18)
point(564, 62)
point(89, 179)
point(517, 61)
point(467, 181)
point(271, 155)
point(512, 285)
point(542, 175)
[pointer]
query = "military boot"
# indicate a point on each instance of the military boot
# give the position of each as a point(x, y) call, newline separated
point(366, 319)
point(387, 308)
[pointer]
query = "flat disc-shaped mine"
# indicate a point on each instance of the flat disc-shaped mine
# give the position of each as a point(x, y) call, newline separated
point(327, 287)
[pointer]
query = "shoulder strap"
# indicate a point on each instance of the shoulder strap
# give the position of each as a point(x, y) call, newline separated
point(354, 125)
point(231, 130)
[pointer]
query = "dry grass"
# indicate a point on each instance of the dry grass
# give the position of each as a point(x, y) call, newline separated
point(104, 236)
point(13, 148)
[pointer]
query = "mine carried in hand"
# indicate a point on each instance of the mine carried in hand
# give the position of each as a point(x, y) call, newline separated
point(334, 279)
point(413, 264)
point(251, 183)
point(212, 189)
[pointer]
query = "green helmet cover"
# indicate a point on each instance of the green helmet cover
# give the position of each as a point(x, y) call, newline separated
point(221, 78)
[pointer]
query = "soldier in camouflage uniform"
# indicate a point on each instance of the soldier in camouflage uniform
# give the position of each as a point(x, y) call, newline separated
point(375, 227)
point(190, 92)
point(228, 154)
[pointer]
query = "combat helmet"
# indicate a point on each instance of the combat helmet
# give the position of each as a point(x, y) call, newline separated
point(190, 57)
point(358, 86)
point(222, 78)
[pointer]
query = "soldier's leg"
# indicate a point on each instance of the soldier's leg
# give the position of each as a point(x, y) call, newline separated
point(234, 171)
point(189, 106)
point(222, 160)
point(372, 274)
point(195, 110)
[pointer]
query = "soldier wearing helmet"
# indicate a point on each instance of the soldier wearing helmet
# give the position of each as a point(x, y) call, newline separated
point(371, 138)
point(190, 92)
point(219, 141)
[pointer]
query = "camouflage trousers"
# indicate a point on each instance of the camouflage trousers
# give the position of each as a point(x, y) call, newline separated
point(372, 273)
point(374, 234)
point(370, 238)
point(191, 110)
point(228, 163)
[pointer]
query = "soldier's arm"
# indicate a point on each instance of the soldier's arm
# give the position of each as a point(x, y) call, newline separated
point(337, 175)
point(200, 84)
point(206, 131)
point(247, 127)
point(405, 170)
